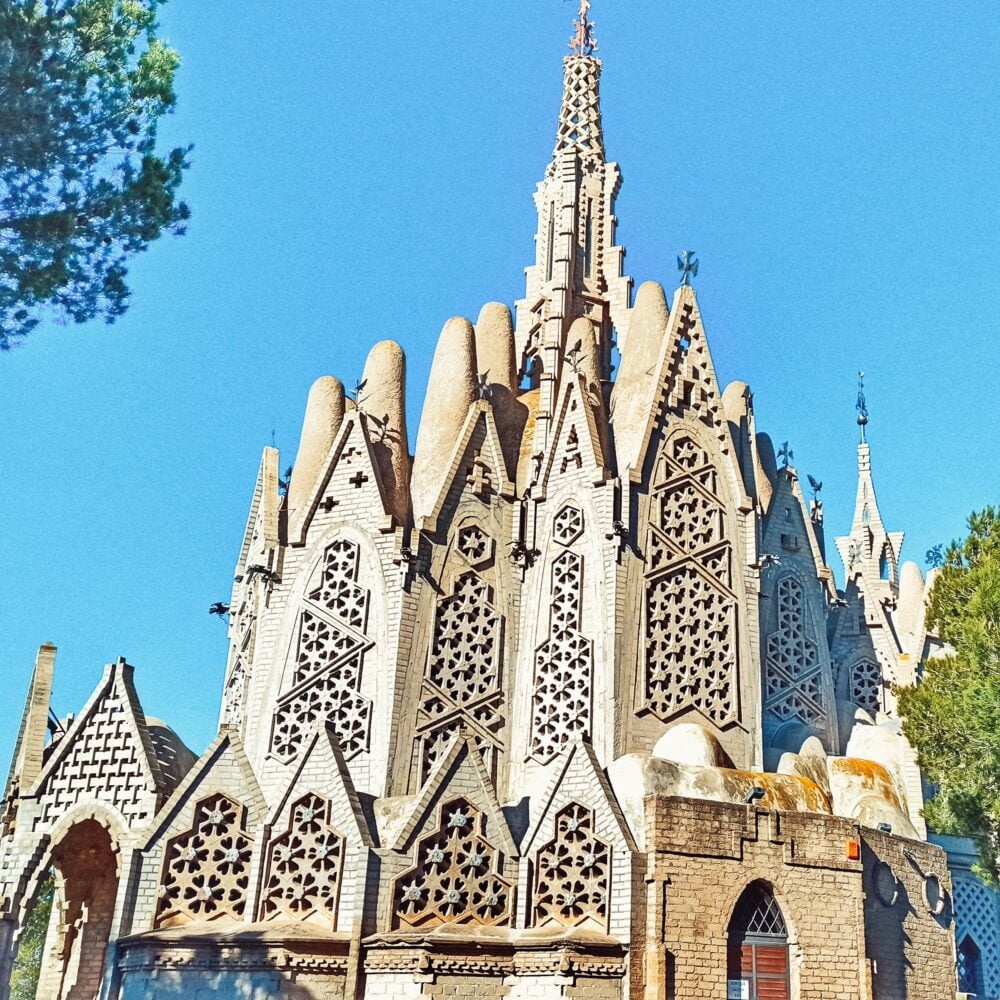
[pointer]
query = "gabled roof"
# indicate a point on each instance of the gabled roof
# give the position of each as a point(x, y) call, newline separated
point(460, 771)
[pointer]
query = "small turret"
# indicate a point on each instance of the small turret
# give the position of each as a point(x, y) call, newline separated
point(384, 403)
point(451, 390)
point(632, 397)
point(30, 746)
point(324, 415)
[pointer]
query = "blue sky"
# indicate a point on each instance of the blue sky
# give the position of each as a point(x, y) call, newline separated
point(364, 171)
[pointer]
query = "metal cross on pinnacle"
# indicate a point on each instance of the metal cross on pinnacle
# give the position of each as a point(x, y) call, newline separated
point(583, 42)
point(786, 455)
point(688, 266)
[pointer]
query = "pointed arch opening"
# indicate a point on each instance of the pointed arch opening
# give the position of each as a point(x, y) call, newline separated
point(70, 920)
point(758, 946)
point(887, 564)
point(970, 967)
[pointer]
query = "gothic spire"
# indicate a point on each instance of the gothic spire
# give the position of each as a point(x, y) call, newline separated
point(578, 268)
point(579, 127)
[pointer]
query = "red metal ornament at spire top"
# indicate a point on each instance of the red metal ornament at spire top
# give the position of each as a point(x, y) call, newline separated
point(583, 42)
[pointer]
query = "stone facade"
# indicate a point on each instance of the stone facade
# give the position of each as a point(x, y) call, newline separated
point(565, 704)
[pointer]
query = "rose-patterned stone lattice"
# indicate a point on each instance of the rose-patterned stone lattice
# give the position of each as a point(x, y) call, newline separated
point(866, 685)
point(561, 706)
point(792, 678)
point(329, 660)
point(206, 871)
point(304, 865)
point(690, 608)
point(461, 684)
point(458, 875)
point(573, 872)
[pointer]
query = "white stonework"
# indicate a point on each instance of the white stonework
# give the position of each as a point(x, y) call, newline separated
point(498, 720)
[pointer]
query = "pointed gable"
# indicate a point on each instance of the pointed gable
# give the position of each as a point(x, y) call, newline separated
point(795, 660)
point(350, 486)
point(261, 535)
point(575, 445)
point(459, 865)
point(322, 769)
point(317, 841)
point(687, 384)
point(106, 756)
point(477, 467)
point(197, 854)
point(578, 853)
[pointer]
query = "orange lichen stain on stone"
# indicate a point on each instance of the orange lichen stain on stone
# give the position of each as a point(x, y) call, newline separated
point(872, 776)
point(786, 792)
point(531, 399)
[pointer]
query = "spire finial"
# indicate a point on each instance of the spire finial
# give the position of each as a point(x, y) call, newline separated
point(861, 406)
point(583, 42)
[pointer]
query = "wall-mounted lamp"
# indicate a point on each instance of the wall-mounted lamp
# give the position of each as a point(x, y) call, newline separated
point(754, 795)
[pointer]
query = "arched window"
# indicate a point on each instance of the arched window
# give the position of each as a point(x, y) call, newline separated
point(758, 947)
point(970, 967)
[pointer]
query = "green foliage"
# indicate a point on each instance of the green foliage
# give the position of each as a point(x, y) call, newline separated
point(952, 717)
point(28, 962)
point(83, 85)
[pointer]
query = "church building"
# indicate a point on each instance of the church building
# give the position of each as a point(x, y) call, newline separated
point(565, 704)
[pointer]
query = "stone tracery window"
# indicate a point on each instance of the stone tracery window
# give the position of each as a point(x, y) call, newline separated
point(462, 682)
point(866, 685)
point(792, 678)
point(573, 872)
point(329, 660)
point(207, 868)
point(234, 695)
point(690, 609)
point(304, 865)
point(561, 705)
point(458, 875)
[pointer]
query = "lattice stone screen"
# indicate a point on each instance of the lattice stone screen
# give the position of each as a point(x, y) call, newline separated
point(207, 868)
point(866, 685)
point(105, 758)
point(304, 865)
point(573, 872)
point(690, 608)
point(564, 663)
point(457, 878)
point(462, 677)
point(792, 678)
point(329, 660)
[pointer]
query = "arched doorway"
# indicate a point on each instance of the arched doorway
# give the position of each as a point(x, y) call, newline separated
point(758, 964)
point(85, 874)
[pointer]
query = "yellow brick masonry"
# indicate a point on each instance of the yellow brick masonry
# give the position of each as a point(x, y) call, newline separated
point(704, 854)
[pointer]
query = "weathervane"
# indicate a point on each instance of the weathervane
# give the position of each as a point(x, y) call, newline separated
point(583, 42)
point(861, 406)
point(688, 266)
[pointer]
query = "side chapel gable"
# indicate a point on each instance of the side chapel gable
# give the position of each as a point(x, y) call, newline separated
point(322, 769)
point(578, 856)
point(107, 755)
point(459, 772)
point(196, 858)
